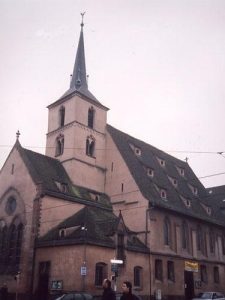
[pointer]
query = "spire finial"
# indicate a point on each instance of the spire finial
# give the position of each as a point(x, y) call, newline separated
point(17, 134)
point(82, 19)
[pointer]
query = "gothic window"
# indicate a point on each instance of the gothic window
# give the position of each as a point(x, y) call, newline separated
point(62, 116)
point(137, 276)
point(120, 246)
point(91, 117)
point(59, 145)
point(100, 273)
point(12, 243)
point(170, 270)
point(19, 244)
point(10, 205)
point(185, 236)
point(90, 146)
point(158, 269)
point(216, 275)
point(167, 233)
point(203, 273)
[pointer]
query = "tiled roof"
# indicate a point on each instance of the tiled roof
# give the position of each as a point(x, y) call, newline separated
point(54, 180)
point(188, 196)
point(90, 225)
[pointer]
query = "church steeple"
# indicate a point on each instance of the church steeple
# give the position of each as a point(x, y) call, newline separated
point(78, 83)
point(79, 77)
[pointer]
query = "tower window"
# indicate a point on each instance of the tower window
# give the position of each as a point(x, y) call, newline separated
point(91, 117)
point(90, 146)
point(62, 116)
point(59, 145)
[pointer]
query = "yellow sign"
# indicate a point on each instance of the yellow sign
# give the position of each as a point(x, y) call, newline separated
point(191, 266)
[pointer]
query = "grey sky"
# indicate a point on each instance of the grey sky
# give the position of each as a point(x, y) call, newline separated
point(158, 65)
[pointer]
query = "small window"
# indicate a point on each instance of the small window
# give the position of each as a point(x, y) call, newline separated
point(90, 146)
point(62, 233)
point(173, 181)
point(91, 113)
point(186, 202)
point(137, 276)
point(170, 271)
point(158, 269)
point(193, 189)
point(181, 171)
point(122, 187)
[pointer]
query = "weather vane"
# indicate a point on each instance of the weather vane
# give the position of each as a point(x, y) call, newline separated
point(82, 20)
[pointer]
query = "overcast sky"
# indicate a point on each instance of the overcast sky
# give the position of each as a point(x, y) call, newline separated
point(158, 65)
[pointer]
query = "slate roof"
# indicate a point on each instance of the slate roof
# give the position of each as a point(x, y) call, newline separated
point(100, 226)
point(51, 175)
point(149, 157)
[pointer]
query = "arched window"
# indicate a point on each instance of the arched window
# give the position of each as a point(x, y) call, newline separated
point(12, 243)
point(167, 233)
point(61, 116)
point(59, 145)
point(90, 146)
point(91, 113)
point(185, 236)
point(19, 244)
point(138, 276)
point(100, 273)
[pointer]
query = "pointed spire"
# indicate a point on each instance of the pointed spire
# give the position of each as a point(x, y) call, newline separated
point(79, 77)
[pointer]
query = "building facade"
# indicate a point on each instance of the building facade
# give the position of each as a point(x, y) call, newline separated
point(100, 194)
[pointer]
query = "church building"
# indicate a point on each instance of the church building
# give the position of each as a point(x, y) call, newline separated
point(100, 196)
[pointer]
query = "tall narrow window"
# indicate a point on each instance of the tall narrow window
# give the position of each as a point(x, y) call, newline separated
point(91, 117)
point(170, 271)
point(223, 244)
point(100, 273)
point(203, 273)
point(158, 269)
point(62, 116)
point(216, 274)
point(199, 238)
point(120, 246)
point(185, 236)
point(19, 244)
point(90, 146)
point(212, 241)
point(167, 234)
point(12, 243)
point(59, 145)
point(137, 276)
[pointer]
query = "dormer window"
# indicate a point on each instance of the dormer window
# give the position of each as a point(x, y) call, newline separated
point(181, 171)
point(62, 232)
point(61, 116)
point(193, 189)
point(91, 113)
point(161, 162)
point(63, 187)
point(163, 194)
point(138, 151)
point(173, 181)
point(150, 172)
point(208, 209)
point(186, 202)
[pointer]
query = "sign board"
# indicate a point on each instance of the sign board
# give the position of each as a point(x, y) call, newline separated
point(83, 271)
point(114, 267)
point(191, 266)
point(116, 261)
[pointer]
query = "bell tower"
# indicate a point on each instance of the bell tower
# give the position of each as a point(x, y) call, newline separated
point(77, 128)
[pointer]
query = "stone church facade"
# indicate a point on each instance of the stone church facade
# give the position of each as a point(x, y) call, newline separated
point(100, 194)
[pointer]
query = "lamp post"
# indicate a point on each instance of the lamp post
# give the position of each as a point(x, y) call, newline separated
point(115, 267)
point(83, 270)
